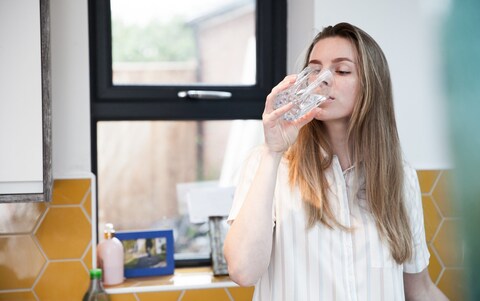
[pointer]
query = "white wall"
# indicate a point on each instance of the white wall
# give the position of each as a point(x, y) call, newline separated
point(300, 30)
point(406, 30)
point(70, 88)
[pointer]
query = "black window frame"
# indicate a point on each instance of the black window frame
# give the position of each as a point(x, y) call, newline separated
point(110, 102)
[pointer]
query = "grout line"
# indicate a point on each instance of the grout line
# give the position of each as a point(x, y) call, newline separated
point(40, 220)
point(82, 259)
point(16, 290)
point(82, 203)
point(436, 181)
point(42, 270)
point(21, 290)
point(181, 295)
point(437, 230)
point(66, 260)
point(453, 219)
point(439, 211)
point(86, 214)
point(40, 248)
point(440, 276)
point(85, 266)
point(85, 197)
point(35, 295)
point(7, 235)
point(440, 260)
point(85, 252)
point(442, 266)
point(136, 297)
point(228, 294)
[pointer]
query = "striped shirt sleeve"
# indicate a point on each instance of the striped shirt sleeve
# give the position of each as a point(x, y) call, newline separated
point(413, 203)
point(245, 180)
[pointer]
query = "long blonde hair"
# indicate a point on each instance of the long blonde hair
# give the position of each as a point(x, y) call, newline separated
point(374, 146)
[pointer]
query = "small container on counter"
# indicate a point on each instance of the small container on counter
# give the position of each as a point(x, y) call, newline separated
point(110, 257)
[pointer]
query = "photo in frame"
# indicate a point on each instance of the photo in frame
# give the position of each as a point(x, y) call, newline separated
point(147, 253)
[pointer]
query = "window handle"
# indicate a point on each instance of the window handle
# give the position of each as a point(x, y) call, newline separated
point(199, 94)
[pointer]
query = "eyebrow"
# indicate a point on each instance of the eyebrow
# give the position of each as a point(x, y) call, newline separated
point(336, 60)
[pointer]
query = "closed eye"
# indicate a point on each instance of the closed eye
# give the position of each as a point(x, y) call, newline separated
point(343, 72)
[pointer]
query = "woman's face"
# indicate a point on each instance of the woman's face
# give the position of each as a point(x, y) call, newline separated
point(337, 54)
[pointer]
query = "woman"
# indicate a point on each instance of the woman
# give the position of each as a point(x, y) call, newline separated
point(326, 209)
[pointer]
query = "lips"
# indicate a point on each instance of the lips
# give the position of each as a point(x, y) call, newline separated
point(329, 100)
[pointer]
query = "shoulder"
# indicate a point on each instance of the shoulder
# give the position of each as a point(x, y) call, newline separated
point(412, 192)
point(409, 171)
point(249, 164)
point(410, 176)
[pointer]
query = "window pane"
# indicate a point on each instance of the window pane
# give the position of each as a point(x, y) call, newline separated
point(140, 164)
point(183, 42)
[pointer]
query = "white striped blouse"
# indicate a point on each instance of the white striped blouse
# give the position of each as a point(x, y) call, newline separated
point(324, 264)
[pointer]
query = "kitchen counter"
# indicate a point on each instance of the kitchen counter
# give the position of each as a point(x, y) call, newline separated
point(182, 279)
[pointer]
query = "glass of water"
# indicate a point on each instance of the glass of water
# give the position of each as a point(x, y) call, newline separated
point(311, 89)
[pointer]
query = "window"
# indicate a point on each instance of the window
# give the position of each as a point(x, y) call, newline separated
point(176, 98)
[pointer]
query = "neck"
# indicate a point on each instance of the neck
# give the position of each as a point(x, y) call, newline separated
point(337, 133)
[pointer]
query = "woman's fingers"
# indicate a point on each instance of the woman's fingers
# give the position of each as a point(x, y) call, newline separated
point(300, 122)
point(281, 86)
point(279, 133)
point(278, 113)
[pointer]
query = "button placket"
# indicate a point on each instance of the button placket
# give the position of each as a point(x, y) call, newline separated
point(344, 211)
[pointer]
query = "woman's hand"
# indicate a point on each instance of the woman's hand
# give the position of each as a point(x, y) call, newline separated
point(279, 133)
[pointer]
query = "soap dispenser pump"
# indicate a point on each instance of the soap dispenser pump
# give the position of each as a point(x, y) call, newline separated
point(110, 257)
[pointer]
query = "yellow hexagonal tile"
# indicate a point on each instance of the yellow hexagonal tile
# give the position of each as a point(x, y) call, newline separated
point(218, 294)
point(70, 192)
point(64, 233)
point(20, 217)
point(154, 296)
point(87, 204)
point(448, 244)
point(443, 197)
point(67, 280)
point(18, 296)
point(432, 217)
point(241, 293)
point(87, 259)
point(21, 262)
point(434, 266)
point(452, 284)
point(124, 297)
point(426, 179)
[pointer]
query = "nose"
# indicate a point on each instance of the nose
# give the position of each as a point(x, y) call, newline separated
point(326, 78)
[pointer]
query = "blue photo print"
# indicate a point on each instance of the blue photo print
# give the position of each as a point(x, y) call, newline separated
point(147, 253)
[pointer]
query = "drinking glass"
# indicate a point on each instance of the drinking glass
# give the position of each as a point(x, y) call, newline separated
point(311, 89)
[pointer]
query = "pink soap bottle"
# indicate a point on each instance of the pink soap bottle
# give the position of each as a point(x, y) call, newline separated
point(110, 257)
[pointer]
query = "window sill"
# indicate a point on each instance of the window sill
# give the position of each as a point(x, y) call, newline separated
point(182, 279)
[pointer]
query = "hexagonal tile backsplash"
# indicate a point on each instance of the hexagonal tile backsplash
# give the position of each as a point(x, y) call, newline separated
point(441, 223)
point(55, 240)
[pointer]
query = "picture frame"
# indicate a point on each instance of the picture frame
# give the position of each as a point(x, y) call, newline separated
point(147, 253)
